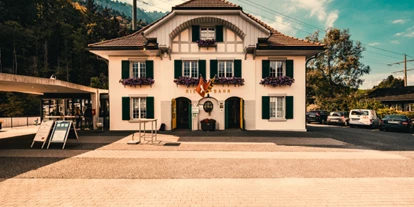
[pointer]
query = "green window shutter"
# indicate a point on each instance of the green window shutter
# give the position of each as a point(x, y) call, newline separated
point(195, 33)
point(178, 68)
point(265, 107)
point(125, 69)
point(149, 64)
point(238, 68)
point(289, 68)
point(150, 107)
point(265, 68)
point(202, 68)
point(213, 68)
point(219, 33)
point(126, 101)
point(289, 107)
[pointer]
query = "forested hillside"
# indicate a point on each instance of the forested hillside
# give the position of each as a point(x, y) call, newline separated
point(45, 37)
point(126, 10)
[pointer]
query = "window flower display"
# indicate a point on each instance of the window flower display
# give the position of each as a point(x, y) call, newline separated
point(277, 81)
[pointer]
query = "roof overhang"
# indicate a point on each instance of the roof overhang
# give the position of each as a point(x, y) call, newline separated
point(40, 86)
point(124, 52)
point(307, 51)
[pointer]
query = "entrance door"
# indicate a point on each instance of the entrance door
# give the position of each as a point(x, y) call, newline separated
point(233, 113)
point(183, 113)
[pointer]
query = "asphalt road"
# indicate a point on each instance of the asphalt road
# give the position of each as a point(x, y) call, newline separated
point(365, 137)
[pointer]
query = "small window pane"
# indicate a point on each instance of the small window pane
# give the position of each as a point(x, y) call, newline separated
point(194, 69)
point(135, 72)
point(143, 70)
point(207, 33)
point(221, 69)
point(272, 69)
point(143, 108)
point(279, 68)
point(277, 107)
point(229, 69)
point(272, 107)
point(186, 69)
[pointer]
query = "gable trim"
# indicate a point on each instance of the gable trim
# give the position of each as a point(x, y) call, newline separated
point(199, 20)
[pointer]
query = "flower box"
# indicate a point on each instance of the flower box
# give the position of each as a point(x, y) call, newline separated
point(207, 43)
point(187, 81)
point(208, 124)
point(236, 81)
point(137, 81)
point(277, 81)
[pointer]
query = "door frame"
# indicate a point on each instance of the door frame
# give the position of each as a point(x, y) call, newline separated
point(175, 112)
point(241, 112)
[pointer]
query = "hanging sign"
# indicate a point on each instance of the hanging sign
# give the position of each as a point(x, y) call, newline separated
point(61, 133)
point(43, 132)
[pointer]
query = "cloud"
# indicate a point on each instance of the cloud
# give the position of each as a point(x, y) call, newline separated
point(313, 8)
point(411, 34)
point(399, 34)
point(332, 17)
point(395, 42)
point(280, 24)
point(400, 21)
point(374, 43)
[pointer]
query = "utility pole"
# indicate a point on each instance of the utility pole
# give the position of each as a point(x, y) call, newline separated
point(405, 67)
point(134, 14)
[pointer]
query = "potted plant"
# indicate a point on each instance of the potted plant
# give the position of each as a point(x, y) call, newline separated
point(137, 81)
point(208, 124)
point(206, 43)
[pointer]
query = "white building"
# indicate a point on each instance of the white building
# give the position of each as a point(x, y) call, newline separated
point(244, 48)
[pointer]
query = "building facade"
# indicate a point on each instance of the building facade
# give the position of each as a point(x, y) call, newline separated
point(153, 73)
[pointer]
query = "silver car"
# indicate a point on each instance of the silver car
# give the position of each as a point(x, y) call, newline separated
point(338, 117)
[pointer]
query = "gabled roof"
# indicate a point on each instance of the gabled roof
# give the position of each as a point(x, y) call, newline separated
point(200, 4)
point(276, 40)
point(393, 94)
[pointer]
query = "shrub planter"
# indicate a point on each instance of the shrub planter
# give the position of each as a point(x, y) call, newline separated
point(208, 125)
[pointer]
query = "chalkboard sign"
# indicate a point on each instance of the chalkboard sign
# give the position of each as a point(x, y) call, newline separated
point(60, 133)
point(43, 132)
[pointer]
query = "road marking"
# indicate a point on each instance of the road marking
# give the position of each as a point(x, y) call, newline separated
point(375, 130)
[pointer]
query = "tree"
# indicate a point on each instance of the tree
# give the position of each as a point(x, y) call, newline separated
point(335, 74)
point(390, 82)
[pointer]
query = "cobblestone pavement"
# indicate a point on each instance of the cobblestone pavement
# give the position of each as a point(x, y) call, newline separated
point(250, 171)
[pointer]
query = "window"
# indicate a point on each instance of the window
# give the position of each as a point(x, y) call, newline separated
point(207, 33)
point(276, 68)
point(139, 108)
point(190, 69)
point(225, 69)
point(138, 69)
point(277, 107)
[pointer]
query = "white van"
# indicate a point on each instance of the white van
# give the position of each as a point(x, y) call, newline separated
point(363, 117)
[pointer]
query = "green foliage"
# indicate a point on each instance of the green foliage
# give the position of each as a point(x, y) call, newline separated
point(18, 104)
point(386, 111)
point(100, 82)
point(45, 37)
point(390, 82)
point(334, 76)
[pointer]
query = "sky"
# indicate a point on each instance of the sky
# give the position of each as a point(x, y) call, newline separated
point(384, 27)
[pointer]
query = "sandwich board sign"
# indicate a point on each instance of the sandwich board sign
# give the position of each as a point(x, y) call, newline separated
point(43, 132)
point(61, 132)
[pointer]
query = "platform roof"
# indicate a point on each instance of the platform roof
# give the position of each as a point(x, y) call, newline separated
point(40, 86)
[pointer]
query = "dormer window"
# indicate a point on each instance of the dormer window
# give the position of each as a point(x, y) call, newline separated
point(207, 33)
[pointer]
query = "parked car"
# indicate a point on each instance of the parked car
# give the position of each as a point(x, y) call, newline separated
point(338, 117)
point(396, 122)
point(317, 116)
point(363, 117)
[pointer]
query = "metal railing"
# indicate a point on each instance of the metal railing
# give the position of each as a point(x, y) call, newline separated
point(10, 122)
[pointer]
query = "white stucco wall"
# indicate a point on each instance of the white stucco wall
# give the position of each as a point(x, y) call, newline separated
point(164, 90)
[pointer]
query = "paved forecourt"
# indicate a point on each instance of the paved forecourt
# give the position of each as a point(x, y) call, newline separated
point(275, 171)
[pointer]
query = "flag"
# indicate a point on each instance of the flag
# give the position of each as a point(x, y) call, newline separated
point(201, 87)
point(210, 85)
